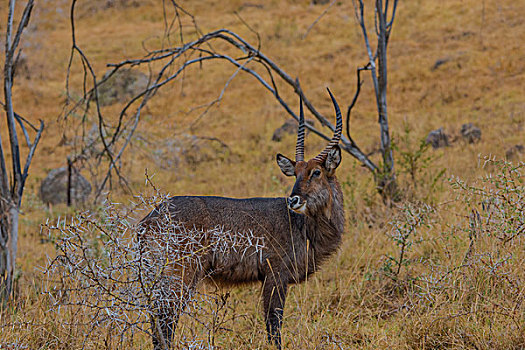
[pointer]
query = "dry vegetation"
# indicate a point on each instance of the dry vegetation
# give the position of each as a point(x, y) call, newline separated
point(446, 275)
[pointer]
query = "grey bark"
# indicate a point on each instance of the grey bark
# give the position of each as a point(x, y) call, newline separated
point(385, 176)
point(12, 187)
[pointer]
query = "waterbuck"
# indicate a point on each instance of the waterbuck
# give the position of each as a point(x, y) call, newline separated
point(277, 241)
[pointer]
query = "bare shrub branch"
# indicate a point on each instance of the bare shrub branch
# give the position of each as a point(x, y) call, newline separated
point(118, 278)
point(471, 268)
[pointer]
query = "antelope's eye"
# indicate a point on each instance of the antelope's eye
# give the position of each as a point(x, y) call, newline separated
point(316, 173)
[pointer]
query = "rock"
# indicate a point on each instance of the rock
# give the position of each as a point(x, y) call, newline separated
point(470, 133)
point(188, 150)
point(122, 85)
point(53, 189)
point(195, 150)
point(290, 126)
point(93, 145)
point(320, 2)
point(437, 138)
point(515, 152)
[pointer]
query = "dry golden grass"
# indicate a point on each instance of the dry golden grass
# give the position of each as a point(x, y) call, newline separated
point(350, 303)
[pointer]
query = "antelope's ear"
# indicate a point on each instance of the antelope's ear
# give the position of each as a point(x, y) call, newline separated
point(333, 159)
point(287, 165)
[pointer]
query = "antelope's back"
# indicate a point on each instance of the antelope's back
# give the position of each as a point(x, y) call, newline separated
point(208, 212)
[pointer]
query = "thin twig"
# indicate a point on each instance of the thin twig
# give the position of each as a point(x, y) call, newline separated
point(318, 18)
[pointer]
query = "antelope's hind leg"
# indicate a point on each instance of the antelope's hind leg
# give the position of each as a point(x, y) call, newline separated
point(167, 306)
point(173, 295)
point(163, 325)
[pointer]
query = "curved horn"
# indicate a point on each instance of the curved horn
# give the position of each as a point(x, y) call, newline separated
point(337, 133)
point(299, 148)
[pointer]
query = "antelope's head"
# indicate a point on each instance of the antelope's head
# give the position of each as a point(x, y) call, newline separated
point(312, 192)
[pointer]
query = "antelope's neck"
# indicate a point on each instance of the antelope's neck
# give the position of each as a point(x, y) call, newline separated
point(325, 230)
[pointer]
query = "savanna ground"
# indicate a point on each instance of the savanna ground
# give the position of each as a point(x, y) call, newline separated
point(441, 296)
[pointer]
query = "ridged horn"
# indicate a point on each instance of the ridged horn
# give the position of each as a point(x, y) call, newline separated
point(337, 133)
point(299, 148)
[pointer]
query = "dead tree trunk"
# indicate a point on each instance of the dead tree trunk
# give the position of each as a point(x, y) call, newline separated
point(385, 174)
point(12, 187)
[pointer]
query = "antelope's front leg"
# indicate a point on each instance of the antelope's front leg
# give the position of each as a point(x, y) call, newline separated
point(274, 297)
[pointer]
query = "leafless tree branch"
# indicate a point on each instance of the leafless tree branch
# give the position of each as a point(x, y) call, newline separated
point(318, 18)
point(174, 61)
point(352, 104)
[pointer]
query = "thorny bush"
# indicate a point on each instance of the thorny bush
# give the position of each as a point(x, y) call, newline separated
point(470, 269)
point(103, 272)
